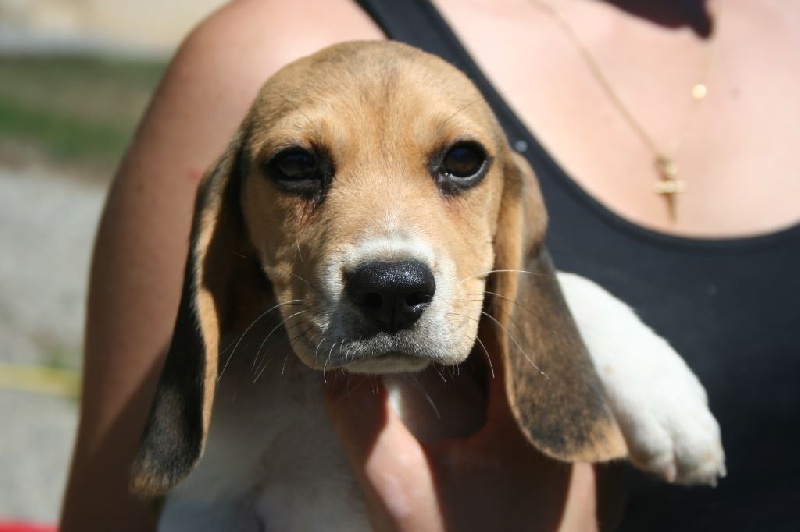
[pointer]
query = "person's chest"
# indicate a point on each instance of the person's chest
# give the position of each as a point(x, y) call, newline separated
point(606, 93)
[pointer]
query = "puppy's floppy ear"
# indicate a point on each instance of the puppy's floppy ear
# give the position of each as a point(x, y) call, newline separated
point(220, 292)
point(551, 386)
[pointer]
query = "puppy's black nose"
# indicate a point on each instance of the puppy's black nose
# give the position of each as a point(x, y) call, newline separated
point(391, 295)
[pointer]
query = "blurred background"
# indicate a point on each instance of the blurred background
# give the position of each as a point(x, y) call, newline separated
point(75, 76)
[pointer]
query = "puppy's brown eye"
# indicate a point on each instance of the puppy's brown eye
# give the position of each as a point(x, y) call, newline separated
point(464, 160)
point(300, 171)
point(460, 167)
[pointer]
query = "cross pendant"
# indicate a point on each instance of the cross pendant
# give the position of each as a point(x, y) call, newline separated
point(669, 185)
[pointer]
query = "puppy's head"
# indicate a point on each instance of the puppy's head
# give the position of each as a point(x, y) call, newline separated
point(372, 182)
point(371, 198)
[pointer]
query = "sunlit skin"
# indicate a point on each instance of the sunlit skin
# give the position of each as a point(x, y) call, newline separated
point(142, 241)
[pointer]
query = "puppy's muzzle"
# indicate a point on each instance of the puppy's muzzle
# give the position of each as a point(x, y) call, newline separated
point(391, 296)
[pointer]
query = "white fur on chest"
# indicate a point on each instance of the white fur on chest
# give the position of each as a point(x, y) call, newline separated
point(272, 460)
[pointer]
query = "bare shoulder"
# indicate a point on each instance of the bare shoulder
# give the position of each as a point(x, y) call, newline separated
point(218, 69)
point(260, 36)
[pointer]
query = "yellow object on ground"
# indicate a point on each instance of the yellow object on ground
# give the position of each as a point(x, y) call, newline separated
point(40, 379)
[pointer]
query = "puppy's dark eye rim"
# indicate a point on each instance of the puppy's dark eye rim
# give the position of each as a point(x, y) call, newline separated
point(295, 164)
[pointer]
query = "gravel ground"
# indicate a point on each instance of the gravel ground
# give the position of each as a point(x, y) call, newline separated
point(47, 226)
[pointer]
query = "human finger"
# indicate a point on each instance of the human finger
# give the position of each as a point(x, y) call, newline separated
point(391, 466)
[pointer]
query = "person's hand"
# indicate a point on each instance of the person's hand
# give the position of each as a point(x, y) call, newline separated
point(492, 480)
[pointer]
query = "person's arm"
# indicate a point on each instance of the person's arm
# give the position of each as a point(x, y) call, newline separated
point(143, 235)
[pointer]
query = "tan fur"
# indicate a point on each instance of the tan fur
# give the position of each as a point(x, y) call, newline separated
point(380, 110)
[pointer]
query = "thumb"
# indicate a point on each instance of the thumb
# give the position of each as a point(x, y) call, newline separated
point(358, 408)
point(390, 465)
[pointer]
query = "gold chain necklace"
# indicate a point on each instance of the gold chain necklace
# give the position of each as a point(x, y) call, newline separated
point(667, 185)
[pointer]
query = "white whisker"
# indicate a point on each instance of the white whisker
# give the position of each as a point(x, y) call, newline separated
point(528, 358)
point(421, 389)
point(267, 360)
point(302, 279)
point(288, 341)
point(488, 357)
point(330, 352)
point(477, 339)
point(485, 274)
point(241, 337)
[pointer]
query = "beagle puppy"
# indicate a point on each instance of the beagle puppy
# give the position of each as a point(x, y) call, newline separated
point(370, 217)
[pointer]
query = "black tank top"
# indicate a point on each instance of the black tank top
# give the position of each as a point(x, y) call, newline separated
point(731, 307)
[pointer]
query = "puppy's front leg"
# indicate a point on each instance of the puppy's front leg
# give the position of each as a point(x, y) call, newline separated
point(660, 405)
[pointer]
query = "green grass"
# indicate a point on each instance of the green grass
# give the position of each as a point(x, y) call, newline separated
point(76, 111)
point(63, 136)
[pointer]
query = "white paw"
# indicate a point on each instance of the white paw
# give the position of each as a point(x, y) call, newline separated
point(659, 404)
point(663, 413)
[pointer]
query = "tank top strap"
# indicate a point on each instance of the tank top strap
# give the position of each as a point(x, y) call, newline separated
point(417, 23)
